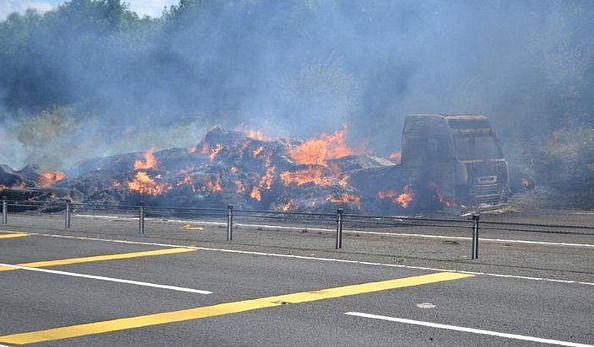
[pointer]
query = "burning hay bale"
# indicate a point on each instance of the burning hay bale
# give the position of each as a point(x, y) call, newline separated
point(37, 187)
point(240, 168)
point(248, 171)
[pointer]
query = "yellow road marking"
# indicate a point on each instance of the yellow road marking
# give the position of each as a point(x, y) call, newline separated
point(10, 236)
point(71, 261)
point(222, 309)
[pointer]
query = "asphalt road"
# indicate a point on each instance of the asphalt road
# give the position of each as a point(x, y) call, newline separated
point(186, 287)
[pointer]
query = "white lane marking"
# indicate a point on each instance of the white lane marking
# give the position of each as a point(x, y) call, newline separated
point(425, 305)
point(109, 279)
point(445, 237)
point(346, 261)
point(469, 330)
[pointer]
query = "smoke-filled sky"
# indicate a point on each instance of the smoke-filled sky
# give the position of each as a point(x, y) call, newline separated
point(294, 67)
point(152, 8)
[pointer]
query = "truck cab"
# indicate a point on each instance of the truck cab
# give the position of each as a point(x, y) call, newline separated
point(454, 160)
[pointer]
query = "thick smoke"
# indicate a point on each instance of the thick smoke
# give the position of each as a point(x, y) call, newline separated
point(292, 68)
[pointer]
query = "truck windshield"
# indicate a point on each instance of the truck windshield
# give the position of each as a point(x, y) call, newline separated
point(477, 147)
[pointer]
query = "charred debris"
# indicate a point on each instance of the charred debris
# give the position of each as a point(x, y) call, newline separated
point(447, 163)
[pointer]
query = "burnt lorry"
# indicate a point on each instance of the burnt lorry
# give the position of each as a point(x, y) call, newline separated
point(451, 161)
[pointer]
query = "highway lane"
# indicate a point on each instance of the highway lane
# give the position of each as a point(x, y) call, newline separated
point(37, 301)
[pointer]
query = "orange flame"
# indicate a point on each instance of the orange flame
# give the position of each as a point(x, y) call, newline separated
point(215, 151)
point(212, 186)
point(205, 148)
point(256, 135)
point(150, 162)
point(143, 184)
point(346, 198)
point(193, 149)
point(239, 187)
point(257, 151)
point(187, 180)
point(47, 179)
point(525, 182)
point(3, 187)
point(266, 180)
point(255, 194)
point(313, 175)
point(404, 199)
point(447, 202)
point(317, 151)
point(289, 205)
point(396, 157)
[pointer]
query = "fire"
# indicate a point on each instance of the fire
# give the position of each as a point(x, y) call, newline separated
point(525, 182)
point(47, 179)
point(313, 175)
point(212, 186)
point(193, 149)
point(345, 198)
point(143, 184)
point(3, 187)
point(255, 194)
point(239, 187)
point(215, 151)
point(205, 148)
point(268, 177)
point(266, 180)
point(257, 151)
point(447, 202)
point(150, 162)
point(187, 180)
point(289, 205)
point(317, 151)
point(256, 135)
point(396, 157)
point(233, 169)
point(403, 199)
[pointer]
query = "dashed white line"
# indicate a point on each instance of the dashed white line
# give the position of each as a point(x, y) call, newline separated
point(109, 279)
point(469, 330)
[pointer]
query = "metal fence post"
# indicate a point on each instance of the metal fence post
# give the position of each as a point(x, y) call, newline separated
point(339, 228)
point(67, 221)
point(141, 219)
point(4, 212)
point(229, 222)
point(475, 235)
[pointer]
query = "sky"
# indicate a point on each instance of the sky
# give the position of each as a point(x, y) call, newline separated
point(151, 8)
